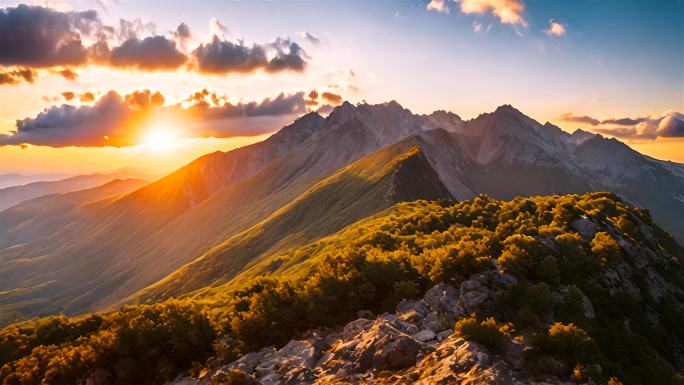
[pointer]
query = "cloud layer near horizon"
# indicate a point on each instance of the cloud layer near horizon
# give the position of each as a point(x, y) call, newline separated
point(670, 125)
point(35, 37)
point(121, 120)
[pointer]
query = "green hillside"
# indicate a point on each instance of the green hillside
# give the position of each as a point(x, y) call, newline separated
point(397, 173)
point(592, 244)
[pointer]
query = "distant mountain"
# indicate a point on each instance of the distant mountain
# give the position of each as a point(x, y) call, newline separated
point(225, 212)
point(11, 196)
point(16, 179)
point(47, 214)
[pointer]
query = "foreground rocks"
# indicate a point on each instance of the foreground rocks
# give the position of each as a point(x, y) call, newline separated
point(413, 345)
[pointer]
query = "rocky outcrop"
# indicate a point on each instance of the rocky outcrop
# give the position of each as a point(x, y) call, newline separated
point(413, 345)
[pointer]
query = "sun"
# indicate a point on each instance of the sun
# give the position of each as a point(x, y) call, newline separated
point(159, 139)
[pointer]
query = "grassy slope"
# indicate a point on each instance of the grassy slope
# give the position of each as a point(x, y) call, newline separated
point(398, 172)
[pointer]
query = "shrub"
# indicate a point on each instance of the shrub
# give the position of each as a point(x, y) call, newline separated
point(606, 248)
point(526, 303)
point(488, 332)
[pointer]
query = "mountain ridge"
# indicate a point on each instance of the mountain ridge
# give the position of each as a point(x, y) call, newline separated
point(148, 234)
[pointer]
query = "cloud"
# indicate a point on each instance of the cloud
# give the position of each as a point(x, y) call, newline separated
point(151, 53)
point(119, 121)
point(438, 5)
point(66, 125)
point(68, 95)
point(507, 11)
point(183, 31)
point(34, 37)
point(669, 125)
point(556, 28)
point(87, 97)
point(223, 56)
point(309, 37)
point(216, 28)
point(40, 37)
point(332, 98)
point(67, 74)
point(16, 76)
point(289, 56)
point(569, 117)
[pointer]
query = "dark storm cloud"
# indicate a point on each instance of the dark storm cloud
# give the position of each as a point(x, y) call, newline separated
point(223, 56)
point(116, 120)
point(40, 37)
point(151, 53)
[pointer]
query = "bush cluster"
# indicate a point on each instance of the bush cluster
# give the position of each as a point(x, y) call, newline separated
point(372, 265)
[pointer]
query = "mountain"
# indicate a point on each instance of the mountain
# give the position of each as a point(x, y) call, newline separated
point(399, 172)
point(564, 289)
point(10, 196)
point(16, 179)
point(228, 211)
point(48, 213)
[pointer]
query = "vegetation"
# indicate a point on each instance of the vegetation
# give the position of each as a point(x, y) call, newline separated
point(487, 332)
point(375, 263)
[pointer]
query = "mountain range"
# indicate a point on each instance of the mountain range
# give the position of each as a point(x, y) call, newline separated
point(226, 217)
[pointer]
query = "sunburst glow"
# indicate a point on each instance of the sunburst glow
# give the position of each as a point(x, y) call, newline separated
point(159, 139)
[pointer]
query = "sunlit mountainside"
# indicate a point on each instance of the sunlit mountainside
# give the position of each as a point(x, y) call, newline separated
point(421, 192)
point(224, 211)
point(561, 289)
point(231, 229)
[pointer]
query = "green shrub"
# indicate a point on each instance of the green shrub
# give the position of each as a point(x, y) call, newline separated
point(488, 332)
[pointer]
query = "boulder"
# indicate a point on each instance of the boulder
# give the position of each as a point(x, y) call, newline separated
point(409, 305)
point(424, 335)
point(383, 346)
point(355, 327)
point(397, 354)
point(441, 296)
point(473, 294)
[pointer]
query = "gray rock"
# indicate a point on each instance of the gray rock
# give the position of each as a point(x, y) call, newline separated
point(397, 354)
point(355, 327)
point(408, 305)
point(585, 226)
point(424, 335)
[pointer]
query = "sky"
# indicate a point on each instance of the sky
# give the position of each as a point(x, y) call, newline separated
point(97, 85)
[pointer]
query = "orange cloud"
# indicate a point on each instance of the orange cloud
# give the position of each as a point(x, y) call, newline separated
point(119, 121)
point(556, 28)
point(507, 11)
